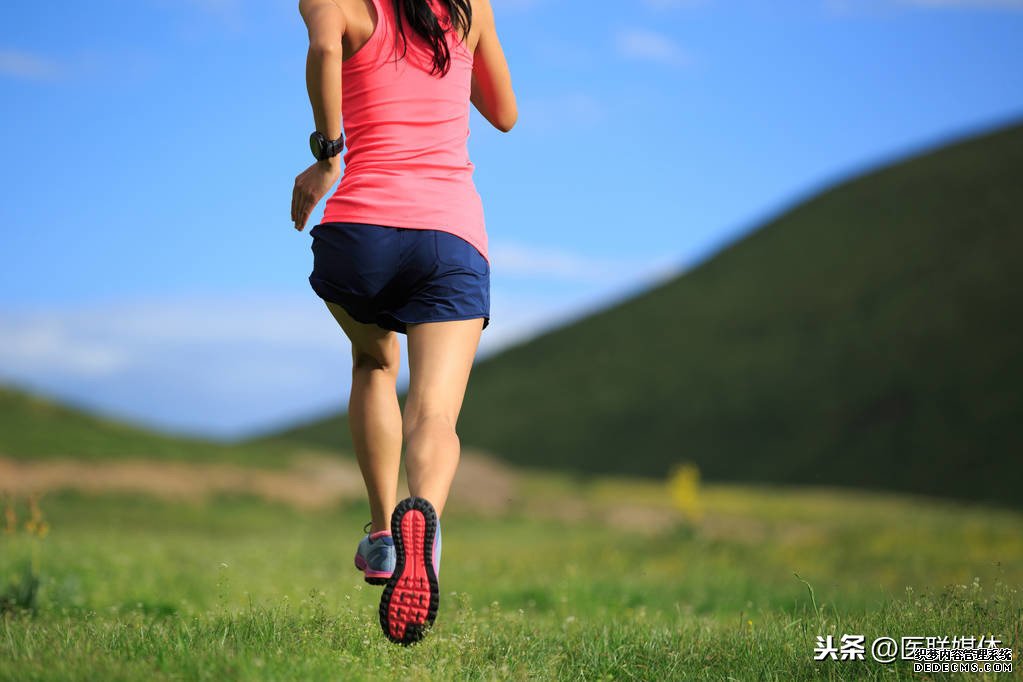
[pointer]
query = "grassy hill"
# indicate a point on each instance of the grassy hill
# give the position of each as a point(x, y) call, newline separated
point(35, 427)
point(868, 337)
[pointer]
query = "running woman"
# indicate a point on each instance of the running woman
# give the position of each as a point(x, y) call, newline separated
point(402, 248)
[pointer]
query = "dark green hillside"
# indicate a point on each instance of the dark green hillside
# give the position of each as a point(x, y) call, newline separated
point(870, 337)
point(35, 427)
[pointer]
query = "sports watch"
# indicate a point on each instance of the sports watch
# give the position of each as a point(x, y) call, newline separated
point(322, 148)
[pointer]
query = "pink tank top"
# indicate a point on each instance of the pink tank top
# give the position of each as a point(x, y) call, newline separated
point(406, 162)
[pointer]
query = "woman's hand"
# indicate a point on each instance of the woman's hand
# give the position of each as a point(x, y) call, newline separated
point(310, 186)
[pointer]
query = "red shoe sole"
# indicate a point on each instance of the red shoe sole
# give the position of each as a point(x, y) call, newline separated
point(408, 605)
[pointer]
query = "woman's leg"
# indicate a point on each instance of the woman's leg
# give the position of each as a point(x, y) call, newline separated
point(440, 356)
point(374, 415)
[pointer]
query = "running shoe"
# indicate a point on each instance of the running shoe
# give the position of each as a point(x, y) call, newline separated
point(411, 596)
point(375, 556)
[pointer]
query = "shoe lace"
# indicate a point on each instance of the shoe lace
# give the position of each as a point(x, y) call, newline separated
point(365, 529)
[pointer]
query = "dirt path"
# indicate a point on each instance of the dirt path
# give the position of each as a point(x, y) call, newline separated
point(483, 485)
point(313, 482)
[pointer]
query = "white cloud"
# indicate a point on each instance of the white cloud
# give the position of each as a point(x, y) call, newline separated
point(223, 367)
point(646, 45)
point(531, 261)
point(235, 365)
point(47, 344)
point(220, 366)
point(548, 263)
point(28, 66)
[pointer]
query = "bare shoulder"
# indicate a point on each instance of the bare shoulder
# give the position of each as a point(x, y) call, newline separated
point(308, 8)
point(482, 20)
point(483, 12)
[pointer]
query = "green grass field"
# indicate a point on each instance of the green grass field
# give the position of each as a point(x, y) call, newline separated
point(236, 588)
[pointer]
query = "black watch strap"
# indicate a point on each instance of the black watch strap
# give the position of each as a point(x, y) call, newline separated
point(324, 149)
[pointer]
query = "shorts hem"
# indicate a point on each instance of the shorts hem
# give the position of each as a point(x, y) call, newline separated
point(322, 290)
point(390, 321)
point(450, 318)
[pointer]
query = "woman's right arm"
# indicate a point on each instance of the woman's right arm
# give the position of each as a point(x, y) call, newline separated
point(492, 93)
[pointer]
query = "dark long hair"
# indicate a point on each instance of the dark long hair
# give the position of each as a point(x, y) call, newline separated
point(421, 17)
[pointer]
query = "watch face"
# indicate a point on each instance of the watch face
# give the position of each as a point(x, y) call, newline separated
point(315, 145)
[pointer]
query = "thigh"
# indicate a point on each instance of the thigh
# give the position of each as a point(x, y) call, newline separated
point(370, 342)
point(440, 356)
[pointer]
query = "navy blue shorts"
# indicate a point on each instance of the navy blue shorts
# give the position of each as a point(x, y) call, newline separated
point(395, 276)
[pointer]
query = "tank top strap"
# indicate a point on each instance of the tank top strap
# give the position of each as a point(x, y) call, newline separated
point(384, 8)
point(371, 51)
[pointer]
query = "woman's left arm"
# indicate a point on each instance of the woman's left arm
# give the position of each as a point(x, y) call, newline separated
point(326, 25)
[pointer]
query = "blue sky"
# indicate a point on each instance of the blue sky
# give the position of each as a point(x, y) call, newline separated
point(149, 269)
